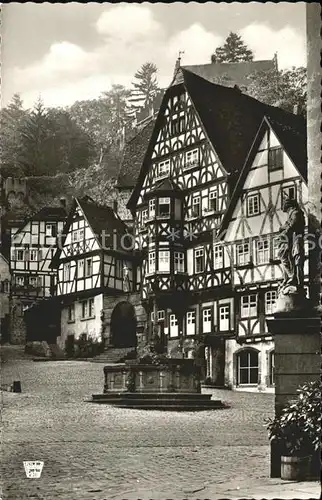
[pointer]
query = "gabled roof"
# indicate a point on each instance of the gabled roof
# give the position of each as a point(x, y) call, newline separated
point(229, 74)
point(293, 141)
point(46, 214)
point(133, 156)
point(167, 187)
point(106, 225)
point(102, 218)
point(230, 120)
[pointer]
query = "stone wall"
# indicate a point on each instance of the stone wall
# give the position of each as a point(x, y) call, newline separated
point(18, 331)
point(109, 303)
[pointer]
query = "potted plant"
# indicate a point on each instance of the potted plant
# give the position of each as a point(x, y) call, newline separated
point(297, 432)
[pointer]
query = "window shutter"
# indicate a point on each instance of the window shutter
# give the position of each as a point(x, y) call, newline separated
point(39, 255)
point(13, 254)
point(27, 255)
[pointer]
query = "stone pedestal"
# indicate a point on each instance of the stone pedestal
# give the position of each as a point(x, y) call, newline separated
point(297, 359)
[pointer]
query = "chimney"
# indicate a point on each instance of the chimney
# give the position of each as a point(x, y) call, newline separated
point(115, 206)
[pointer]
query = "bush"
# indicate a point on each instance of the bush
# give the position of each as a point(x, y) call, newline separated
point(298, 427)
point(87, 347)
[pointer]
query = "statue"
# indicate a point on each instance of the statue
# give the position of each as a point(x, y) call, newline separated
point(291, 249)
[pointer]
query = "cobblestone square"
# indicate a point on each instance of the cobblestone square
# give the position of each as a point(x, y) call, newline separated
point(98, 452)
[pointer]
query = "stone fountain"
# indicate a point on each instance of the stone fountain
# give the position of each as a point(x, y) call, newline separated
point(153, 381)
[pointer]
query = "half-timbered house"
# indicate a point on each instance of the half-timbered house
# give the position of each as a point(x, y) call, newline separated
point(199, 144)
point(275, 170)
point(96, 274)
point(33, 282)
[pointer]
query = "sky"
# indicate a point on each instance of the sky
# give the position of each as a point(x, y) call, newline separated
point(69, 52)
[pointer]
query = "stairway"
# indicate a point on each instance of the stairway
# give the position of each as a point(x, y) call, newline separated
point(115, 355)
point(160, 401)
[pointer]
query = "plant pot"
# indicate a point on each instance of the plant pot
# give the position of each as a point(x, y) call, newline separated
point(295, 468)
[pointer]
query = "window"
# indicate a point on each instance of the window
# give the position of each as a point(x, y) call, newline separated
point(119, 269)
point(33, 281)
point(161, 315)
point(51, 230)
point(151, 208)
point(20, 254)
point(78, 235)
point(199, 260)
point(33, 255)
point(164, 261)
point(218, 257)
point(288, 193)
point(177, 125)
point(276, 248)
point(145, 215)
point(67, 271)
point(191, 322)
point(270, 299)
point(196, 206)
point(206, 320)
point(275, 158)
point(213, 204)
point(224, 313)
point(262, 251)
point(20, 280)
point(89, 267)
point(71, 313)
point(249, 306)
point(173, 325)
point(191, 158)
point(247, 367)
point(91, 308)
point(253, 207)
point(151, 262)
point(87, 308)
point(272, 368)
point(179, 261)
point(164, 168)
point(243, 254)
point(5, 286)
point(80, 268)
point(164, 207)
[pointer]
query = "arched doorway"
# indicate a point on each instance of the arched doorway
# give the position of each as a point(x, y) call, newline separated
point(123, 325)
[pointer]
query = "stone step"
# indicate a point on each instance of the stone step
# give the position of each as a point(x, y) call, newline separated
point(172, 407)
point(114, 355)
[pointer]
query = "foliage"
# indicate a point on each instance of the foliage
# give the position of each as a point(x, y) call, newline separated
point(153, 352)
point(233, 50)
point(146, 85)
point(298, 427)
point(11, 120)
point(87, 347)
point(285, 89)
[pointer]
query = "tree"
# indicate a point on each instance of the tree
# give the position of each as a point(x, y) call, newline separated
point(233, 50)
point(34, 141)
point(11, 121)
point(145, 86)
point(285, 89)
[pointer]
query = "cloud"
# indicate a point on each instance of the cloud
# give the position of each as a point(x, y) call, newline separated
point(130, 35)
point(127, 23)
point(197, 43)
point(287, 42)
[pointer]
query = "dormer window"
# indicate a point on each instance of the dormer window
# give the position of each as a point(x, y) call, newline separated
point(191, 158)
point(164, 168)
point(164, 207)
